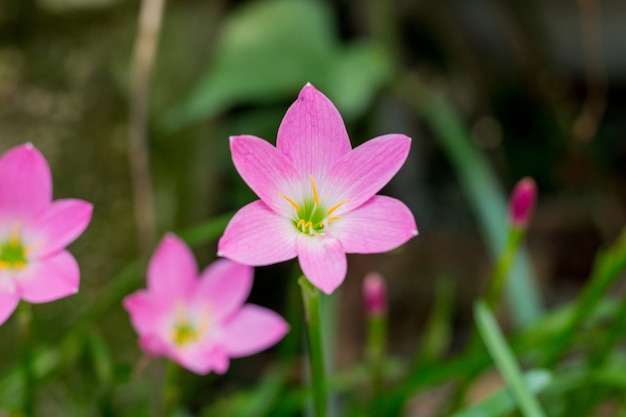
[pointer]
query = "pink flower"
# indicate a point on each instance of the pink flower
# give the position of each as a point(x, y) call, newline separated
point(34, 230)
point(199, 323)
point(522, 202)
point(317, 194)
point(375, 294)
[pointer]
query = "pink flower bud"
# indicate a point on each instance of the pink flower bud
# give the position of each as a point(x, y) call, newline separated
point(375, 294)
point(522, 202)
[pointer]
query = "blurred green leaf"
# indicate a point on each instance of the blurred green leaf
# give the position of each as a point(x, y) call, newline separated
point(505, 361)
point(266, 50)
point(501, 403)
point(269, 50)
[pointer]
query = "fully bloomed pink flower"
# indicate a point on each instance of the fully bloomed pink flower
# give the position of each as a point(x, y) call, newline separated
point(317, 194)
point(200, 323)
point(34, 230)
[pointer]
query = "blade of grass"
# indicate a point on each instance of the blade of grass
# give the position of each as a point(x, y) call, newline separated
point(505, 361)
point(607, 268)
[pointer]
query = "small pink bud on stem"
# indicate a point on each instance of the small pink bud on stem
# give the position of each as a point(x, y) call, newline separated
point(375, 294)
point(522, 202)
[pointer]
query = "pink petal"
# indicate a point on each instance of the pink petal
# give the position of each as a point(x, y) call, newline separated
point(49, 279)
point(172, 271)
point(60, 224)
point(8, 302)
point(312, 134)
point(363, 172)
point(266, 171)
point(258, 236)
point(252, 330)
point(147, 312)
point(225, 285)
point(155, 345)
point(379, 225)
point(323, 261)
point(25, 182)
point(202, 359)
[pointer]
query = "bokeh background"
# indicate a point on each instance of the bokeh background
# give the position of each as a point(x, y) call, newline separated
point(490, 91)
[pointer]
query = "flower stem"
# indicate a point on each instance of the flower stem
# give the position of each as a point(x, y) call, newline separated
point(311, 298)
point(24, 319)
point(376, 346)
point(502, 268)
point(171, 392)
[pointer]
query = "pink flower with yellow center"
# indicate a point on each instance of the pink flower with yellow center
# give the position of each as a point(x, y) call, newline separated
point(34, 230)
point(200, 322)
point(317, 194)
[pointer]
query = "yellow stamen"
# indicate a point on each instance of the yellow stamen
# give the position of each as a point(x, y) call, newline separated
point(19, 265)
point(309, 224)
point(336, 206)
point(4, 265)
point(290, 201)
point(332, 219)
point(301, 222)
point(315, 196)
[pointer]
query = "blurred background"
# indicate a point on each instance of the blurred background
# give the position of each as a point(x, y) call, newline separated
point(490, 91)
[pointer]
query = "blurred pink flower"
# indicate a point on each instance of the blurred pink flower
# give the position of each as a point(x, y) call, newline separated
point(522, 202)
point(34, 230)
point(317, 194)
point(200, 323)
point(375, 294)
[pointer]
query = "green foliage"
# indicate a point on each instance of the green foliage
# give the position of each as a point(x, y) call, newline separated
point(267, 50)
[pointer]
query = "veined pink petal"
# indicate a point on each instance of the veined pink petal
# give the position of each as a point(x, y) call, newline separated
point(312, 134)
point(266, 171)
point(225, 286)
point(323, 261)
point(61, 223)
point(257, 236)
point(379, 225)
point(252, 330)
point(49, 279)
point(147, 312)
point(360, 174)
point(8, 302)
point(25, 182)
point(172, 270)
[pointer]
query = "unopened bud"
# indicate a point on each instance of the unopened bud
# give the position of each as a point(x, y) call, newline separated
point(375, 294)
point(522, 202)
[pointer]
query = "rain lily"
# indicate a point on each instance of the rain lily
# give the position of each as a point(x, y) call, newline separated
point(200, 322)
point(317, 194)
point(34, 230)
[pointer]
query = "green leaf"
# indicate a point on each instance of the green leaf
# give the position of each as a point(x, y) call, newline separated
point(505, 361)
point(501, 403)
point(266, 50)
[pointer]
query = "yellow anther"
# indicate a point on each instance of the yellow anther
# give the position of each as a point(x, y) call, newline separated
point(336, 206)
point(19, 265)
point(290, 201)
point(301, 222)
point(308, 224)
point(332, 219)
point(315, 196)
point(4, 265)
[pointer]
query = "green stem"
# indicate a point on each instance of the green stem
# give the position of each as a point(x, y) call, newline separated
point(376, 347)
point(502, 268)
point(311, 298)
point(171, 392)
point(24, 319)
